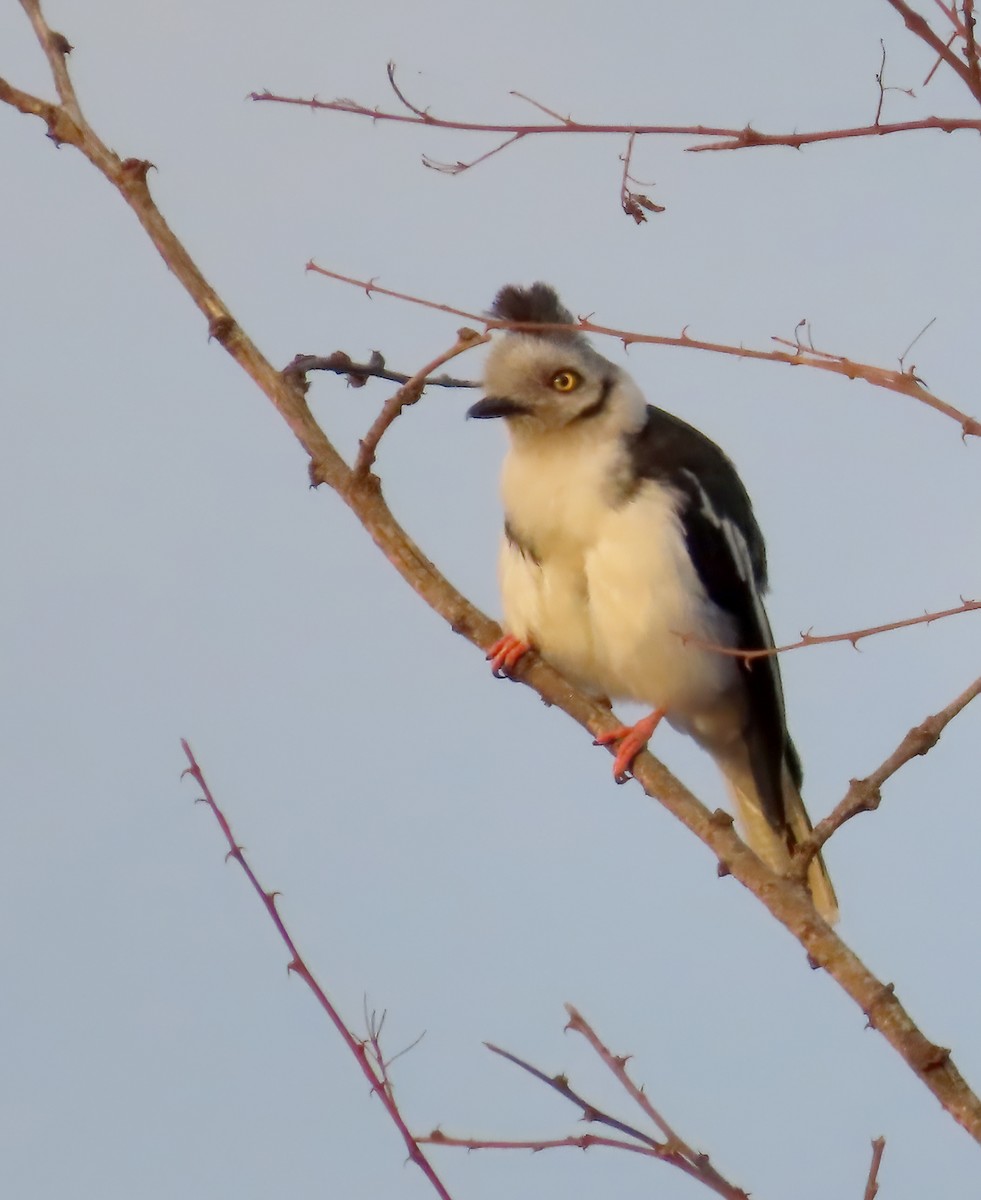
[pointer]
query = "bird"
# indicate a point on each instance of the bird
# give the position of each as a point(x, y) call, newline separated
point(630, 558)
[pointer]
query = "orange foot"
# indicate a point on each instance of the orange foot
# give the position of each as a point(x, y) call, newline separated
point(505, 655)
point(632, 739)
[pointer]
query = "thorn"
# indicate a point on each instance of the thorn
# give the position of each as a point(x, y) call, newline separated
point(220, 327)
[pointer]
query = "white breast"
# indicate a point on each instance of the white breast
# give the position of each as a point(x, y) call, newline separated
point(606, 590)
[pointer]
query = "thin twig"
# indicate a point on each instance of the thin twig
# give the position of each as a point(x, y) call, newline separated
point(727, 137)
point(971, 47)
point(56, 49)
point(358, 374)
point(377, 1077)
point(872, 1185)
point(561, 1085)
point(584, 1141)
point(410, 392)
point(635, 204)
point(865, 795)
point(902, 357)
point(880, 80)
point(674, 1151)
point(853, 636)
point(903, 382)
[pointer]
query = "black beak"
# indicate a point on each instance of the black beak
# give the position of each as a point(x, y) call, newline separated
point(495, 406)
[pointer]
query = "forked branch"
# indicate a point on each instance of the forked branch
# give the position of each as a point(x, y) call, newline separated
point(366, 1052)
point(664, 1144)
point(865, 795)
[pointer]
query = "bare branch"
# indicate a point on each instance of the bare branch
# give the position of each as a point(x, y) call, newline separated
point(583, 1142)
point(56, 49)
point(358, 374)
point(903, 382)
point(918, 26)
point(854, 636)
point(880, 80)
point(407, 395)
point(971, 48)
point(634, 204)
point(618, 1065)
point(377, 1076)
point(561, 1085)
point(872, 1185)
point(673, 1151)
point(725, 137)
point(865, 795)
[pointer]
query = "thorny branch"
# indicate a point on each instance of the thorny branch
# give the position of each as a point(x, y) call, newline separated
point(366, 1053)
point(865, 795)
point(784, 898)
point(409, 393)
point(919, 27)
point(635, 204)
point(669, 1147)
point(722, 137)
point(358, 374)
point(853, 637)
point(905, 382)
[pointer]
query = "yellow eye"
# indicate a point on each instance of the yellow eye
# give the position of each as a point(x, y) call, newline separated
point(566, 380)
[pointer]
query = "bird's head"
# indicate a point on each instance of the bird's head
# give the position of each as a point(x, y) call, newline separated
point(543, 381)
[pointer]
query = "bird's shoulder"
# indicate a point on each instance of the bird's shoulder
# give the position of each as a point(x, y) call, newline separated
point(672, 453)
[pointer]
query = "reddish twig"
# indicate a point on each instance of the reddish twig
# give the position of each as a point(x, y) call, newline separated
point(971, 47)
point(363, 1051)
point(872, 1184)
point(634, 204)
point(673, 1150)
point(618, 1065)
point(854, 636)
point(409, 394)
point(918, 26)
point(728, 137)
point(865, 795)
point(904, 382)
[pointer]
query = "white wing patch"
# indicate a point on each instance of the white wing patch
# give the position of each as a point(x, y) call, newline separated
point(743, 561)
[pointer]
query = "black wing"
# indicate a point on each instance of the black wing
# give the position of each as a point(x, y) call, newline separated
point(727, 549)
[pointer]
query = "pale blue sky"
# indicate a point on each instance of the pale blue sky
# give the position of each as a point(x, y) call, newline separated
point(443, 843)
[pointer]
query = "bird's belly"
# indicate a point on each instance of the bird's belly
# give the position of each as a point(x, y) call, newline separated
point(651, 619)
point(546, 603)
point(627, 616)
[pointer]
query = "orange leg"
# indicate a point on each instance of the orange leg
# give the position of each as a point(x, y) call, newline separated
point(505, 655)
point(632, 739)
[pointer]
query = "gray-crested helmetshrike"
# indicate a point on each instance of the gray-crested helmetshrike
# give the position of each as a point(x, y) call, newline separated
point(630, 550)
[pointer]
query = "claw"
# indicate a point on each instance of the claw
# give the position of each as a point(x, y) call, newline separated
point(632, 739)
point(505, 655)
